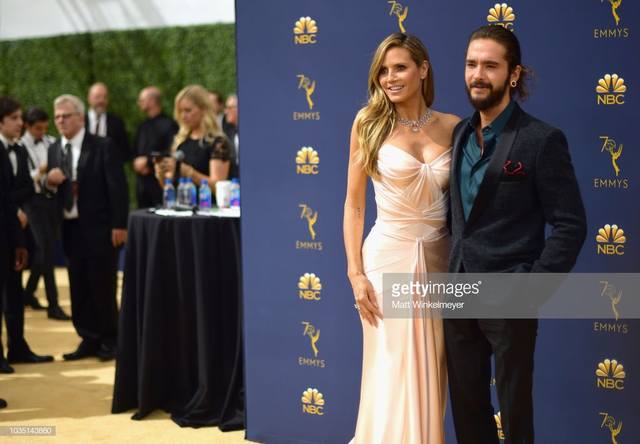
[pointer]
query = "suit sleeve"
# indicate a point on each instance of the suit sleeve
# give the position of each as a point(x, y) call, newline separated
point(562, 205)
point(116, 186)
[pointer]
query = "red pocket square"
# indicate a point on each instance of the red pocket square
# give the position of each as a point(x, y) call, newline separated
point(511, 168)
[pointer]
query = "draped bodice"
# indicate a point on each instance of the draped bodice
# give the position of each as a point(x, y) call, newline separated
point(411, 196)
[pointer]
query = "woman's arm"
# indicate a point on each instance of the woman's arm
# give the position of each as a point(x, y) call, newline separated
point(353, 229)
point(218, 170)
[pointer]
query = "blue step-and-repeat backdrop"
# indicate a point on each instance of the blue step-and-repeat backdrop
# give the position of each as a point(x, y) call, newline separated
point(302, 70)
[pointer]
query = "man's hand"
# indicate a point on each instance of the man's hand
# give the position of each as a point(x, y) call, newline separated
point(141, 166)
point(118, 237)
point(22, 217)
point(56, 177)
point(165, 167)
point(43, 169)
point(22, 257)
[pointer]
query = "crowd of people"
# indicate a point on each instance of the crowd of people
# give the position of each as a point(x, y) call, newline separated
point(74, 188)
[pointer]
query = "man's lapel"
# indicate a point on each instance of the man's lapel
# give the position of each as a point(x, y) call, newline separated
point(494, 169)
point(454, 182)
point(84, 154)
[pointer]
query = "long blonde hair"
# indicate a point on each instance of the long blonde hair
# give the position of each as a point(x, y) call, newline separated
point(376, 120)
point(200, 98)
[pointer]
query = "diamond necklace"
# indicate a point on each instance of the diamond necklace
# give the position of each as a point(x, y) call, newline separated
point(415, 125)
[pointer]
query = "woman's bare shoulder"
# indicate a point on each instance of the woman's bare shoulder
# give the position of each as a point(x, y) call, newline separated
point(447, 120)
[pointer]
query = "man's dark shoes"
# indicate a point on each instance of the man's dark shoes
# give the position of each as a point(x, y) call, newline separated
point(33, 302)
point(56, 312)
point(5, 367)
point(84, 350)
point(106, 352)
point(3, 403)
point(28, 357)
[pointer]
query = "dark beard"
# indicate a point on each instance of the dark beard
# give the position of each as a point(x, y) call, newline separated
point(494, 97)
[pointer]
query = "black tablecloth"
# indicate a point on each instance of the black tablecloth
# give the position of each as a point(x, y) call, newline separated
point(179, 339)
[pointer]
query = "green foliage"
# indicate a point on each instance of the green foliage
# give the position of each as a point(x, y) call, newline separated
point(36, 71)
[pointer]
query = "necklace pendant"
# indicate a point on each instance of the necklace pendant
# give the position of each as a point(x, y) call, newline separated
point(415, 128)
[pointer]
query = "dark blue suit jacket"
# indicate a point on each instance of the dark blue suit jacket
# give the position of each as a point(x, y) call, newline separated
point(529, 183)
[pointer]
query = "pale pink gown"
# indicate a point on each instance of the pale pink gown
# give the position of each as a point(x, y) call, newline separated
point(404, 379)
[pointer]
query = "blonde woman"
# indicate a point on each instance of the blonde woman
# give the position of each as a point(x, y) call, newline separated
point(207, 153)
point(404, 146)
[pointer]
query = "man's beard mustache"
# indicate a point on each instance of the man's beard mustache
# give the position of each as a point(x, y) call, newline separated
point(494, 97)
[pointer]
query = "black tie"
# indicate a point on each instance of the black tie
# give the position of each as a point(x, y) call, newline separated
point(67, 169)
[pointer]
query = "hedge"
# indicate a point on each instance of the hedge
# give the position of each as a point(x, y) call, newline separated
point(35, 71)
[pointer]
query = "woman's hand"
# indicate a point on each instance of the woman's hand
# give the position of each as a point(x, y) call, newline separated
point(365, 296)
point(186, 170)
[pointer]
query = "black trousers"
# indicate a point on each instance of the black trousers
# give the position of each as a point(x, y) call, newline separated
point(92, 280)
point(470, 344)
point(41, 212)
point(13, 309)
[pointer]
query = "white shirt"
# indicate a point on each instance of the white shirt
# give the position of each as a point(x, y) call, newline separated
point(76, 147)
point(102, 123)
point(12, 156)
point(37, 153)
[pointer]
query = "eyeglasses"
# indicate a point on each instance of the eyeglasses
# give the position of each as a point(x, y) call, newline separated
point(64, 116)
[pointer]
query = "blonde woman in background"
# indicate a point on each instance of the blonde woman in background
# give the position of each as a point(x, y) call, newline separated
point(404, 146)
point(207, 153)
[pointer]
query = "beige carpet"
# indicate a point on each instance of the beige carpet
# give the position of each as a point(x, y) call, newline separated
point(75, 397)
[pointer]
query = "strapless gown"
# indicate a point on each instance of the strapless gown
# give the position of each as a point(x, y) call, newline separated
point(404, 378)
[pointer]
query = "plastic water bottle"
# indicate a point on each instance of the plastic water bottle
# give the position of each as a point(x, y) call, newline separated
point(235, 192)
point(182, 201)
point(169, 194)
point(205, 195)
point(192, 193)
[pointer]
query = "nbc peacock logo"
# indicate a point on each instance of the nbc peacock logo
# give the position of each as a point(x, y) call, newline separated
point(498, 418)
point(610, 89)
point(610, 240)
point(610, 375)
point(307, 161)
point(309, 287)
point(502, 15)
point(305, 31)
point(313, 402)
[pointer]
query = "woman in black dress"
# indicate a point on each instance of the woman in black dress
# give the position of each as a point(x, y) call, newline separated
point(207, 152)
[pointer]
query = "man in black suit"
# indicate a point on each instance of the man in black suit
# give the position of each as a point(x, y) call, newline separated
point(511, 177)
point(20, 189)
point(13, 254)
point(41, 210)
point(92, 193)
point(155, 134)
point(102, 123)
